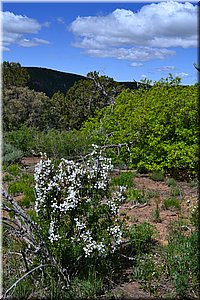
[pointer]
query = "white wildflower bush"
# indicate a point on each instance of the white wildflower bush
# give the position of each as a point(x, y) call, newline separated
point(76, 209)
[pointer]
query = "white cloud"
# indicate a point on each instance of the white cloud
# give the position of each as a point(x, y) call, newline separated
point(135, 64)
point(165, 69)
point(131, 54)
point(46, 24)
point(32, 43)
point(61, 20)
point(5, 48)
point(162, 25)
point(19, 24)
point(15, 27)
point(181, 74)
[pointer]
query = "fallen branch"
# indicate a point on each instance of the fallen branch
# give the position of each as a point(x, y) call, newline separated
point(26, 232)
point(25, 275)
point(128, 257)
point(18, 210)
point(185, 227)
point(138, 205)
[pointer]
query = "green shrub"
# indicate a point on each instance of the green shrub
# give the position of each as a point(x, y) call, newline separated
point(23, 139)
point(63, 144)
point(23, 185)
point(13, 169)
point(136, 195)
point(16, 188)
point(147, 272)
point(156, 215)
point(157, 176)
point(152, 194)
point(27, 178)
point(160, 121)
point(171, 182)
point(175, 191)
point(182, 261)
point(7, 178)
point(11, 154)
point(193, 183)
point(25, 202)
point(141, 236)
point(55, 143)
point(124, 179)
point(171, 203)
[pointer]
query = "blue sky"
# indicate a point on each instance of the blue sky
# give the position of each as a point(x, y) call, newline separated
point(125, 41)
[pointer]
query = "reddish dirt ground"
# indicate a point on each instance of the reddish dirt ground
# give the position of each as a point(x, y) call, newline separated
point(137, 214)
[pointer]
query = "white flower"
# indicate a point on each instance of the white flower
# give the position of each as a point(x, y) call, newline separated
point(65, 189)
point(116, 233)
point(52, 236)
point(79, 225)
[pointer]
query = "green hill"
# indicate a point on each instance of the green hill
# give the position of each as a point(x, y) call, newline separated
point(50, 81)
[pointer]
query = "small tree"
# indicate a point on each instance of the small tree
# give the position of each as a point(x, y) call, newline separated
point(88, 95)
point(56, 114)
point(23, 106)
point(14, 75)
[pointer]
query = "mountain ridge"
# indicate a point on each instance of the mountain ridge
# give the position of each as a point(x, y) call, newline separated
point(51, 81)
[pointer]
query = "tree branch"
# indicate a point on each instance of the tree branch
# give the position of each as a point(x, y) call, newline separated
point(17, 209)
point(118, 145)
point(25, 275)
point(42, 247)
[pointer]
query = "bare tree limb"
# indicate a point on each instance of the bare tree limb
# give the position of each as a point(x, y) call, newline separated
point(25, 275)
point(17, 209)
point(26, 232)
point(118, 145)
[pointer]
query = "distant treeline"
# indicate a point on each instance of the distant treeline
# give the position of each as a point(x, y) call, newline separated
point(50, 81)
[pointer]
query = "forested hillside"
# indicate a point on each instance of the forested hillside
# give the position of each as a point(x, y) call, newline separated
point(50, 81)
